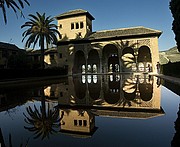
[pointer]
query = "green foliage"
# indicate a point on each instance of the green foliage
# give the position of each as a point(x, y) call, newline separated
point(40, 29)
point(15, 5)
point(175, 10)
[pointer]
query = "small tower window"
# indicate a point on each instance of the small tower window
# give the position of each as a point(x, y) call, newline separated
point(75, 122)
point(60, 37)
point(81, 25)
point(79, 34)
point(60, 55)
point(60, 26)
point(80, 122)
point(72, 26)
point(85, 122)
point(77, 25)
point(61, 94)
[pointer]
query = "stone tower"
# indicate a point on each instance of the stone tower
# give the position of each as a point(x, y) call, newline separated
point(74, 24)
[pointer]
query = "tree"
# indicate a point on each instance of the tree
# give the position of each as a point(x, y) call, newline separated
point(43, 122)
point(175, 10)
point(15, 6)
point(40, 28)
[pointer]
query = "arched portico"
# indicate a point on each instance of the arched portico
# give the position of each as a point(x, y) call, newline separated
point(144, 59)
point(93, 62)
point(79, 62)
point(79, 88)
point(110, 59)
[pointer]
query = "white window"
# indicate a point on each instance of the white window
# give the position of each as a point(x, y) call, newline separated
point(60, 26)
point(77, 25)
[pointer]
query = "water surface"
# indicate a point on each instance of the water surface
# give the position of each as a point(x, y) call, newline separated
point(90, 110)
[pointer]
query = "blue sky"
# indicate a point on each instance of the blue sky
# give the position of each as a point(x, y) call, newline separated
point(109, 14)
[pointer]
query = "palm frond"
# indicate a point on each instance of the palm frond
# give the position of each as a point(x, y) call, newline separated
point(14, 6)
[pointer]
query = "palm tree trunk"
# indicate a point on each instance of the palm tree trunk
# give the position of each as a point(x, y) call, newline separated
point(42, 52)
point(43, 103)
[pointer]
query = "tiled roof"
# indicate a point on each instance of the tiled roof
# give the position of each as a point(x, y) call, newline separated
point(134, 31)
point(73, 13)
point(9, 46)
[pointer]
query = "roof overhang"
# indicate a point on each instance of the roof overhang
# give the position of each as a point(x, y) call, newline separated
point(111, 38)
point(74, 13)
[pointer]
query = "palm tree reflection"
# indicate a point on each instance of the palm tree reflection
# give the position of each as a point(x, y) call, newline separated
point(41, 121)
point(176, 139)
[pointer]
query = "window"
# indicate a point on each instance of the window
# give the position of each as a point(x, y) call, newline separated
point(80, 122)
point(77, 25)
point(60, 37)
point(75, 122)
point(61, 94)
point(60, 26)
point(72, 26)
point(81, 25)
point(85, 122)
point(80, 34)
point(60, 55)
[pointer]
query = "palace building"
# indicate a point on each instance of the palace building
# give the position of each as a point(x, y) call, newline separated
point(127, 50)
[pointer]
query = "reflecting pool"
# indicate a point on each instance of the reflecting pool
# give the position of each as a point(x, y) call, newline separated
point(119, 110)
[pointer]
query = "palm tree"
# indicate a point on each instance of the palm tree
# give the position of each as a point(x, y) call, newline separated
point(40, 28)
point(43, 124)
point(42, 121)
point(13, 5)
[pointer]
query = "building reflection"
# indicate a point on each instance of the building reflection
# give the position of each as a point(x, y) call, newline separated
point(81, 98)
point(120, 96)
point(78, 122)
point(110, 91)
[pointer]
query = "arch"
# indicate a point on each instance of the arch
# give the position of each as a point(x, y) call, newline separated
point(79, 87)
point(128, 50)
point(146, 91)
point(79, 62)
point(144, 56)
point(113, 64)
point(94, 87)
point(129, 89)
point(112, 93)
point(110, 58)
point(129, 96)
point(128, 59)
point(93, 61)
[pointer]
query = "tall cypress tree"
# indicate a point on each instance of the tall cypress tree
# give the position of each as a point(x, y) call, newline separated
point(175, 10)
